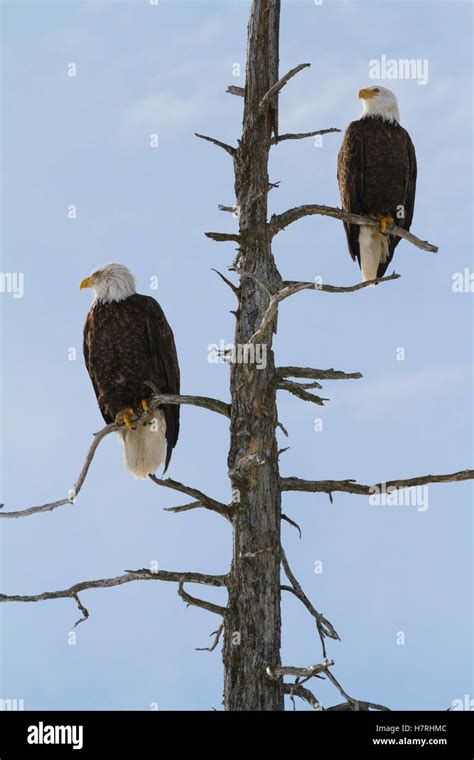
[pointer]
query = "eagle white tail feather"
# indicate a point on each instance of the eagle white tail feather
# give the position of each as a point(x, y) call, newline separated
point(145, 447)
point(373, 247)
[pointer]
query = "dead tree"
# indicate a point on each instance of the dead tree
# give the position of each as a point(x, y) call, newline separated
point(254, 677)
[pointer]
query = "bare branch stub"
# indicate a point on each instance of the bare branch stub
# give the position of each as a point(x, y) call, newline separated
point(228, 148)
point(231, 285)
point(279, 222)
point(350, 486)
point(234, 90)
point(222, 237)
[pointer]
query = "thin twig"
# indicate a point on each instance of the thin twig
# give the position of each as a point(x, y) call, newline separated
point(279, 222)
point(217, 635)
point(98, 437)
point(192, 600)
point(199, 496)
point(290, 288)
point(290, 521)
point(302, 135)
point(297, 390)
point(323, 626)
point(268, 97)
point(185, 507)
point(296, 690)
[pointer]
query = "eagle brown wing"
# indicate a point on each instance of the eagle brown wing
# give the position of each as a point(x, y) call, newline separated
point(350, 176)
point(88, 333)
point(164, 366)
point(408, 156)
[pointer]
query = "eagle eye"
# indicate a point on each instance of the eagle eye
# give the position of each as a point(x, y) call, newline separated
point(376, 89)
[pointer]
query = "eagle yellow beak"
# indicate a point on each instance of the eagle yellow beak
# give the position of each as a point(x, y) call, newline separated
point(366, 94)
point(86, 283)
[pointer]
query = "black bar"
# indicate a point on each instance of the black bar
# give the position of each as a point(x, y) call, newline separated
point(122, 734)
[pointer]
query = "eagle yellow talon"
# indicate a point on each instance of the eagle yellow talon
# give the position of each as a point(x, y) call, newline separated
point(124, 417)
point(384, 221)
point(144, 405)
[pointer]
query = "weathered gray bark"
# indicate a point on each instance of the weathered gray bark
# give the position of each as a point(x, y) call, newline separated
point(253, 623)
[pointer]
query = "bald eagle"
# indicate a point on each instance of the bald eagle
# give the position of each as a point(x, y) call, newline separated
point(127, 344)
point(377, 177)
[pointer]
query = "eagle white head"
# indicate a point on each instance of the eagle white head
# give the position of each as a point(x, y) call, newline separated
point(379, 101)
point(110, 282)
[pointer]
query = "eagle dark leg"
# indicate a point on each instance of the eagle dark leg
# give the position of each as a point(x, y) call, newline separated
point(124, 417)
point(385, 222)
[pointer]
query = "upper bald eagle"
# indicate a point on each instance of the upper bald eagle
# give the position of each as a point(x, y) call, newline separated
point(127, 343)
point(377, 177)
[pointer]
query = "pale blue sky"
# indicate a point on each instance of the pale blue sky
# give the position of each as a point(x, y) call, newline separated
point(85, 141)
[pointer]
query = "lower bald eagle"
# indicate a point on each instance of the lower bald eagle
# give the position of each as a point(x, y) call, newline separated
point(377, 177)
point(127, 344)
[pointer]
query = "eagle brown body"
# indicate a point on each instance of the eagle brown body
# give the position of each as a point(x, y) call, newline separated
point(128, 343)
point(377, 176)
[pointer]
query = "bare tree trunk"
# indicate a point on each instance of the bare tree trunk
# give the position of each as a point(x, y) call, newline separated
point(253, 621)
